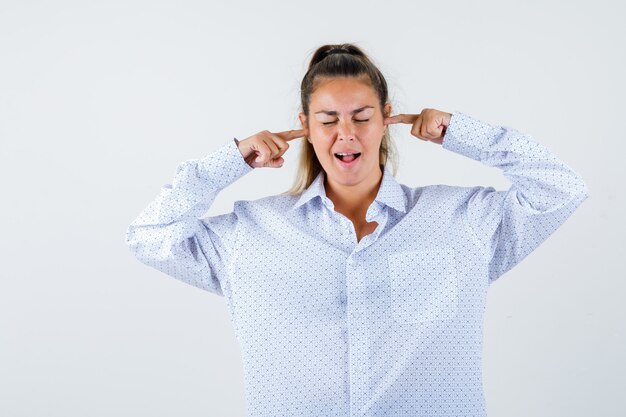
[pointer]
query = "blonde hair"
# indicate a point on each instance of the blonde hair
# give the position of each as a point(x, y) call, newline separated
point(340, 60)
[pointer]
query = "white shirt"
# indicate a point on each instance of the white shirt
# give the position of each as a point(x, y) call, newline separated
point(387, 326)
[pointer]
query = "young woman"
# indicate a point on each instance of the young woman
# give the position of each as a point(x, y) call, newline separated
point(353, 294)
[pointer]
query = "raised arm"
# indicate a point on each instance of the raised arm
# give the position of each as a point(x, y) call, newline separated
point(169, 234)
point(510, 224)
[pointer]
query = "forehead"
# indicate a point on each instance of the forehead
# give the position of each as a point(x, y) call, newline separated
point(342, 94)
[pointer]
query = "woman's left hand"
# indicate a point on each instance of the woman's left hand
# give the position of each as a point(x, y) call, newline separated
point(429, 125)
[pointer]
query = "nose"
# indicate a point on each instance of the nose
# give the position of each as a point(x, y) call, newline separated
point(345, 131)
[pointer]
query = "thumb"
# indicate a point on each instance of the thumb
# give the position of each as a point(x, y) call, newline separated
point(275, 163)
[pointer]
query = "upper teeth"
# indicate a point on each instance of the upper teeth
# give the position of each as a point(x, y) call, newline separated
point(344, 153)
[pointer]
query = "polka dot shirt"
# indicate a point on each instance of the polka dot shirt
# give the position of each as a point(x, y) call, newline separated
point(389, 325)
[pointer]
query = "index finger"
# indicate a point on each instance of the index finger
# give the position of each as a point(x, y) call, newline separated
point(291, 134)
point(402, 118)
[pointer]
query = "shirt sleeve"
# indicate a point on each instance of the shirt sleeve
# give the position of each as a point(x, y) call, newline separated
point(168, 234)
point(510, 224)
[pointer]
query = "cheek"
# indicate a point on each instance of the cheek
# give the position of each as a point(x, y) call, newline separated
point(373, 138)
point(373, 130)
point(321, 142)
point(321, 148)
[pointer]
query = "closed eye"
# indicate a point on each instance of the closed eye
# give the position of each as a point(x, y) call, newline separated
point(330, 123)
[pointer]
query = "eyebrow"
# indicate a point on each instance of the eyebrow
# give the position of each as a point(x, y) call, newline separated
point(334, 113)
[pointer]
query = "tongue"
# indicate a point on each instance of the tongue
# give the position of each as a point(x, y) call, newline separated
point(348, 158)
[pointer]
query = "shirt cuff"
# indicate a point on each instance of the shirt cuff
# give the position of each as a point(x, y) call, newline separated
point(469, 136)
point(225, 165)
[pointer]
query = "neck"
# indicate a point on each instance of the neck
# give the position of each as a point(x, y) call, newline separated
point(353, 200)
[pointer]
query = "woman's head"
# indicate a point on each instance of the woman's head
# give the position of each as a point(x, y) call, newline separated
point(344, 100)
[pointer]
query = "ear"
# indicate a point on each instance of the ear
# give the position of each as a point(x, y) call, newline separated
point(387, 110)
point(304, 122)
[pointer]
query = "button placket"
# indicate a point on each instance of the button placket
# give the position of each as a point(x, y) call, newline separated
point(350, 277)
point(345, 226)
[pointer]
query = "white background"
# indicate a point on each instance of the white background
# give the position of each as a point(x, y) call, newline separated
point(100, 101)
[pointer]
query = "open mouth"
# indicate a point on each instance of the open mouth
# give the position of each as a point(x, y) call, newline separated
point(347, 157)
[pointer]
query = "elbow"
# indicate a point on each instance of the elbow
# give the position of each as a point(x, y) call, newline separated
point(129, 236)
point(133, 240)
point(582, 188)
point(581, 193)
point(586, 193)
point(574, 186)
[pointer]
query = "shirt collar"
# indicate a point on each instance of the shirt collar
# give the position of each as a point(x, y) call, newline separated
point(390, 192)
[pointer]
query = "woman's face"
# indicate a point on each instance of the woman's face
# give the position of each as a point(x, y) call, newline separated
point(345, 117)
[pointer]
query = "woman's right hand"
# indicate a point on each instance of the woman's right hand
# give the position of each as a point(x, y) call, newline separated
point(265, 149)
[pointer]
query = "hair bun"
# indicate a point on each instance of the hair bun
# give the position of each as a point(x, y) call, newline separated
point(339, 50)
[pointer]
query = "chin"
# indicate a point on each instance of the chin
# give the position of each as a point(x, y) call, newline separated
point(345, 178)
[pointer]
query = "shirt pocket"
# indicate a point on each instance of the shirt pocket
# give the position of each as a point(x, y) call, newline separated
point(424, 285)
